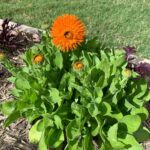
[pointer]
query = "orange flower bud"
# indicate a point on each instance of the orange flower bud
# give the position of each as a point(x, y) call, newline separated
point(78, 65)
point(38, 58)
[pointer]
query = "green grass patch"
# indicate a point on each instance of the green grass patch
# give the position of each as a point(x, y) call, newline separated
point(116, 22)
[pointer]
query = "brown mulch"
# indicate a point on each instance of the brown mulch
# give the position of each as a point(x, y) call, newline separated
point(14, 137)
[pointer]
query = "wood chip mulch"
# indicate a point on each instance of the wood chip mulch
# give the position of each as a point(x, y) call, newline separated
point(14, 137)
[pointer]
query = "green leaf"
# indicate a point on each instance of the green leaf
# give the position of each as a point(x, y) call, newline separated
point(34, 133)
point(54, 95)
point(7, 107)
point(120, 139)
point(136, 147)
point(92, 44)
point(42, 143)
point(93, 109)
point(40, 126)
point(105, 109)
point(95, 75)
point(22, 84)
point(87, 143)
point(96, 125)
point(130, 142)
point(12, 117)
point(73, 130)
point(142, 134)
point(11, 79)
point(113, 139)
point(57, 121)
point(48, 122)
point(16, 92)
point(142, 112)
point(132, 122)
point(54, 137)
point(74, 145)
point(58, 61)
point(87, 59)
point(78, 110)
point(117, 116)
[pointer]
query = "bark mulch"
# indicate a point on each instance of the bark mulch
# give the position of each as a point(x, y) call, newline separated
point(14, 137)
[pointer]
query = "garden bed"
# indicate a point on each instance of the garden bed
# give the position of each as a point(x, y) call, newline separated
point(15, 136)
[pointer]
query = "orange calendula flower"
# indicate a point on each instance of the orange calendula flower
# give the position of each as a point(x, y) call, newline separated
point(78, 65)
point(38, 58)
point(67, 32)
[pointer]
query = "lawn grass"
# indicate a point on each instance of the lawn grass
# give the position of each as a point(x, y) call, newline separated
point(116, 22)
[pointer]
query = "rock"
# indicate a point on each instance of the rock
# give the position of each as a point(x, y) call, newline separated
point(30, 32)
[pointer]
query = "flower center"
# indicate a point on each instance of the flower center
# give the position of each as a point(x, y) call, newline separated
point(68, 35)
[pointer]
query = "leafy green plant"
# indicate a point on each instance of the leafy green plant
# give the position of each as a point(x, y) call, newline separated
point(80, 100)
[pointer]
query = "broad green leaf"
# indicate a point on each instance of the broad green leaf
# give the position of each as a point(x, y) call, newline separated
point(96, 125)
point(96, 60)
point(78, 110)
point(117, 116)
point(92, 44)
point(11, 118)
point(22, 84)
point(16, 92)
point(34, 133)
point(48, 122)
point(86, 93)
point(41, 126)
point(7, 107)
point(142, 112)
point(113, 139)
point(143, 134)
point(114, 86)
point(11, 79)
point(73, 145)
point(112, 132)
point(131, 142)
point(87, 59)
point(57, 121)
point(95, 75)
point(58, 61)
point(132, 122)
point(54, 137)
point(93, 109)
point(64, 110)
point(88, 143)
point(98, 92)
point(42, 143)
point(55, 97)
point(73, 130)
point(146, 97)
point(136, 147)
point(105, 108)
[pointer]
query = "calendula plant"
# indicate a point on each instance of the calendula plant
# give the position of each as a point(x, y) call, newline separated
point(84, 99)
